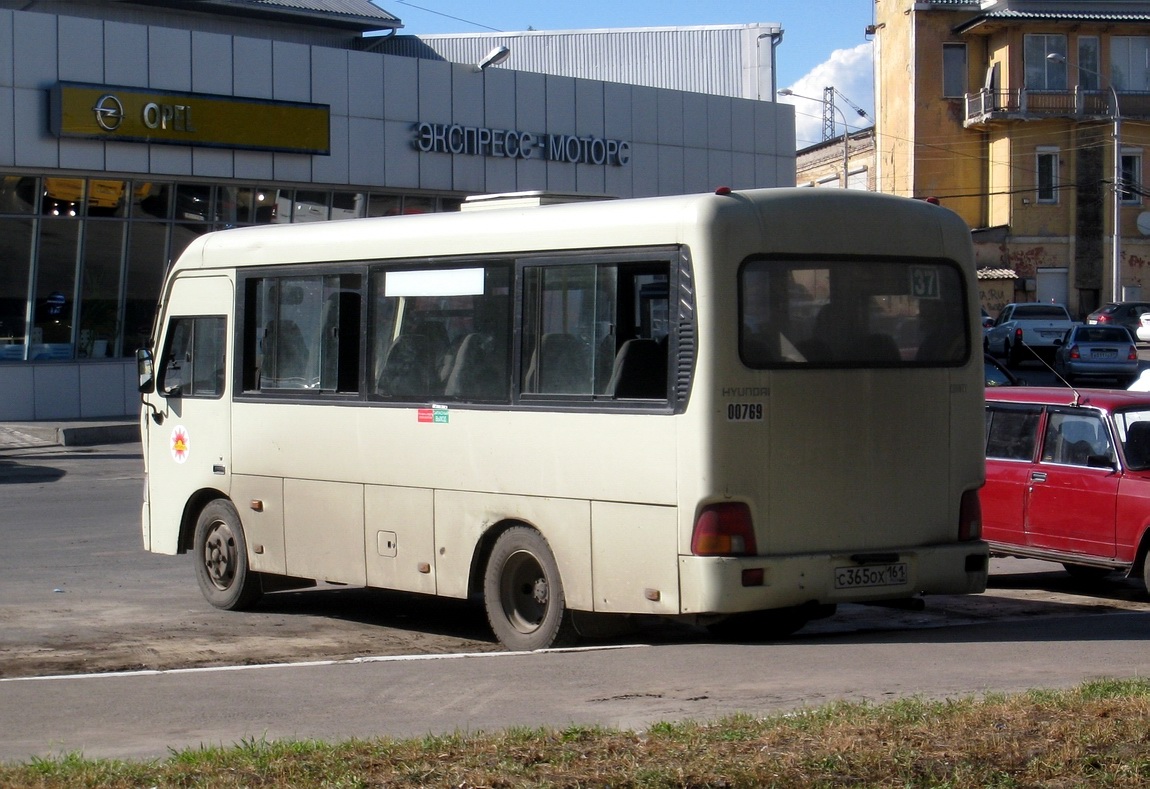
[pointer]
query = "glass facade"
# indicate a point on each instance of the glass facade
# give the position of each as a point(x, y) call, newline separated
point(82, 259)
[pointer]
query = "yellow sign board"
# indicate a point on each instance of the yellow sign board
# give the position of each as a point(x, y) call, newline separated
point(104, 112)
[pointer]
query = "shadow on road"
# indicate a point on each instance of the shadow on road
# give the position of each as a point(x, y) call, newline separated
point(13, 472)
point(1060, 603)
point(383, 608)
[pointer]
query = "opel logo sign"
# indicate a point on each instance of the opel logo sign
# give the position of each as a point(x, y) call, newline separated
point(109, 112)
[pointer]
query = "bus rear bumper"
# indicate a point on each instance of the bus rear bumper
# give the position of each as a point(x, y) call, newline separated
point(726, 585)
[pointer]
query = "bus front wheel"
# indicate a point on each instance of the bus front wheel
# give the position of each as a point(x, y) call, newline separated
point(523, 594)
point(221, 552)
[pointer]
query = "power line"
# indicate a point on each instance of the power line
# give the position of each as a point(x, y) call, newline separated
point(449, 16)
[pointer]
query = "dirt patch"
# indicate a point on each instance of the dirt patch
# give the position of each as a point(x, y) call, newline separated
point(90, 637)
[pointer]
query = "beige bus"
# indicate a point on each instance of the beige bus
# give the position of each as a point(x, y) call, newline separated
point(738, 408)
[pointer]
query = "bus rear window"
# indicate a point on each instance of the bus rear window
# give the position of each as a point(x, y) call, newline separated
point(862, 313)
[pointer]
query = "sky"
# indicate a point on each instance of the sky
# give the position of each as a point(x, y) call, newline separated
point(824, 43)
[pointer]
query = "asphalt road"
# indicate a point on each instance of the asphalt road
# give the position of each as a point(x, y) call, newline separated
point(112, 652)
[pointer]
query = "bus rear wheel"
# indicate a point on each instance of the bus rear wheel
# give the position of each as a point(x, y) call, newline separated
point(222, 570)
point(523, 593)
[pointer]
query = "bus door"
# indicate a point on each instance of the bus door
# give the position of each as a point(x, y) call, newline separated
point(188, 418)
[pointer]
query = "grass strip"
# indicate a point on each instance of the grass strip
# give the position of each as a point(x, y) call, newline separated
point(1097, 734)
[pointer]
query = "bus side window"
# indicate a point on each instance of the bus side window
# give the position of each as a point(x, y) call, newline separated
point(596, 330)
point(303, 333)
point(193, 361)
point(177, 358)
point(448, 337)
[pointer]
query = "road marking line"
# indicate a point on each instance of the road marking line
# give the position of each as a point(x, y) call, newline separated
point(310, 663)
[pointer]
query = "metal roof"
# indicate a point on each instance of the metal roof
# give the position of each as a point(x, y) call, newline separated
point(356, 8)
point(359, 15)
point(722, 60)
point(1067, 16)
point(1072, 11)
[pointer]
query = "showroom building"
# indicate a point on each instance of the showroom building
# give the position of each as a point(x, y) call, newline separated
point(129, 128)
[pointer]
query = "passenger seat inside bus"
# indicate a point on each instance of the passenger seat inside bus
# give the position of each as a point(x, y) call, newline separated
point(640, 370)
point(285, 346)
point(409, 368)
point(559, 366)
point(476, 370)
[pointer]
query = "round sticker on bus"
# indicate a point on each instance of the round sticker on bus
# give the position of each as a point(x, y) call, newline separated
point(180, 444)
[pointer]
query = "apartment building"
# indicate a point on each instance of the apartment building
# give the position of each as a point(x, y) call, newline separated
point(1031, 119)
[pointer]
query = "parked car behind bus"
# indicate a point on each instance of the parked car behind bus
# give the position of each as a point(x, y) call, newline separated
point(1068, 477)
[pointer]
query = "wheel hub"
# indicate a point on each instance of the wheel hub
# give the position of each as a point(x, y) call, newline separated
point(539, 591)
point(219, 551)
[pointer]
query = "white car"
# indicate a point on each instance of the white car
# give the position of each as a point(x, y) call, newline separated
point(1143, 330)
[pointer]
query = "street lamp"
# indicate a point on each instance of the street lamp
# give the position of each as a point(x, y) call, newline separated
point(846, 132)
point(1116, 237)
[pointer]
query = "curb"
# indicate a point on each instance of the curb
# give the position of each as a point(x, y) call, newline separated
point(97, 434)
point(29, 435)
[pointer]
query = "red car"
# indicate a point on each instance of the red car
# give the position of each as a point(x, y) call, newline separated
point(1068, 477)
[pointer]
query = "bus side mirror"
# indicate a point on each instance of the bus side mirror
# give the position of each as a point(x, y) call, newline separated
point(146, 370)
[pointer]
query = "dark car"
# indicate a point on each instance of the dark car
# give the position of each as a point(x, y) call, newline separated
point(1068, 478)
point(997, 374)
point(1097, 351)
point(1122, 313)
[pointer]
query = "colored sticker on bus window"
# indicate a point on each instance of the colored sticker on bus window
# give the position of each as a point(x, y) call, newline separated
point(181, 445)
point(434, 415)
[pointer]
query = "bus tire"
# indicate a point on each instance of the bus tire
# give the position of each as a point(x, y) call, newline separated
point(523, 593)
point(221, 555)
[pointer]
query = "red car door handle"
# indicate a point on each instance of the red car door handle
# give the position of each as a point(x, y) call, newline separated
point(1037, 476)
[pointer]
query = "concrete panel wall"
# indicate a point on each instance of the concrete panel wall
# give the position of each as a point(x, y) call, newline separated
point(365, 91)
point(68, 390)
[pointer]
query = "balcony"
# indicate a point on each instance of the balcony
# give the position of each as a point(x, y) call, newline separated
point(989, 106)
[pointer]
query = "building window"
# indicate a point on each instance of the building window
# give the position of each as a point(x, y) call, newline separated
point(953, 70)
point(1128, 58)
point(1089, 63)
point(1046, 168)
point(1131, 177)
point(1042, 71)
point(859, 179)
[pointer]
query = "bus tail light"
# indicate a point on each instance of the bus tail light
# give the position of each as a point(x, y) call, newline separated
point(969, 517)
point(724, 530)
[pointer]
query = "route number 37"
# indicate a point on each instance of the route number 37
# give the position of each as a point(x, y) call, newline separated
point(924, 282)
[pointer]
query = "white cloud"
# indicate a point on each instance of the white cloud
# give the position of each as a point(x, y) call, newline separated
point(851, 73)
